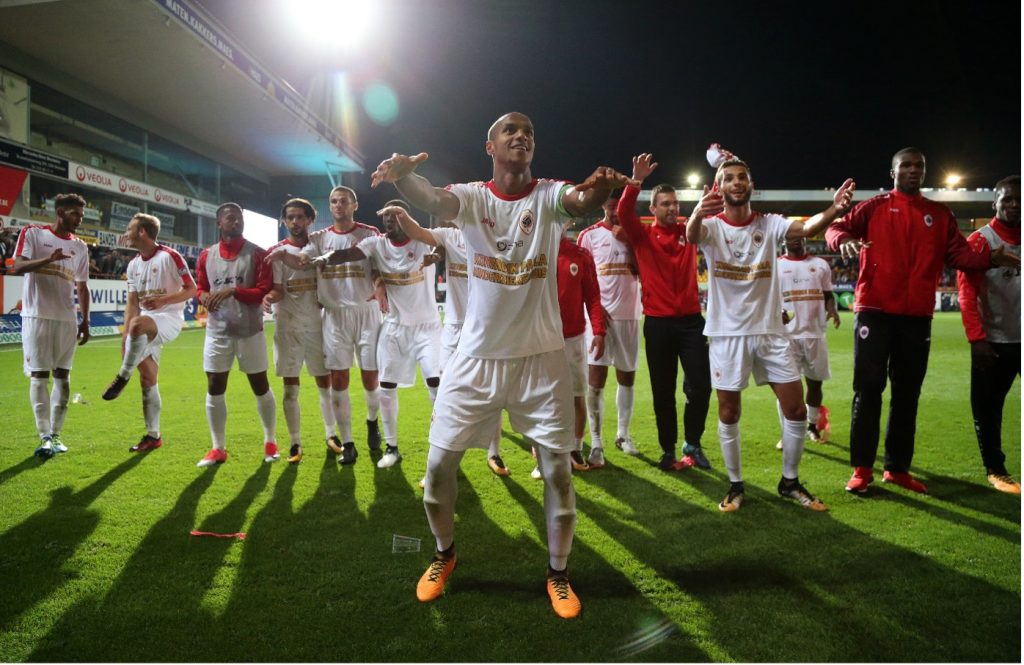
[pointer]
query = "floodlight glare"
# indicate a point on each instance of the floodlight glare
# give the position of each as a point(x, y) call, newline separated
point(693, 180)
point(340, 24)
point(952, 180)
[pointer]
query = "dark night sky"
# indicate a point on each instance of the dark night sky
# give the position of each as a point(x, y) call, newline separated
point(808, 93)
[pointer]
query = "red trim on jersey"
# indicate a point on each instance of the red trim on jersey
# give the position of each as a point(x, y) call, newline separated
point(787, 257)
point(753, 215)
point(179, 263)
point(398, 244)
point(493, 188)
point(1007, 233)
point(355, 225)
point(230, 249)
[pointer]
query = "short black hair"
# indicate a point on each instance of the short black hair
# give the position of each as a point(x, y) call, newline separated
point(733, 161)
point(909, 150)
point(68, 201)
point(663, 188)
point(306, 206)
point(398, 202)
point(348, 190)
point(1008, 182)
point(224, 206)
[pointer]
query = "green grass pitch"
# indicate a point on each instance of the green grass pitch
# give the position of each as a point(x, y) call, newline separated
point(97, 564)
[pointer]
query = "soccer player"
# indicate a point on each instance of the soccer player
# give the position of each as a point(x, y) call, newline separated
point(452, 246)
point(411, 332)
point(617, 277)
point(351, 322)
point(233, 279)
point(806, 283)
point(159, 285)
point(52, 260)
point(903, 241)
point(298, 333)
point(510, 354)
point(673, 325)
point(744, 317)
point(990, 308)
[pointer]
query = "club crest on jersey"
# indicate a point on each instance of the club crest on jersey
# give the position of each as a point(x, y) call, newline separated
point(526, 222)
point(574, 269)
point(813, 269)
point(928, 220)
point(758, 238)
point(410, 255)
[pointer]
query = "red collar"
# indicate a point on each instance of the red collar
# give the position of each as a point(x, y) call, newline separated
point(1007, 233)
point(511, 197)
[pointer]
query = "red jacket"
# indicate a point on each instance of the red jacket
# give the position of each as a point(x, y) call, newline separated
point(577, 286)
point(911, 239)
point(667, 263)
point(970, 284)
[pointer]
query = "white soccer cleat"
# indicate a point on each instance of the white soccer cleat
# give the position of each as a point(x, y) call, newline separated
point(391, 458)
point(535, 474)
point(626, 445)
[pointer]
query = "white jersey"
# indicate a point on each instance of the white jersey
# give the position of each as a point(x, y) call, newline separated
point(298, 310)
point(617, 274)
point(343, 284)
point(743, 283)
point(804, 283)
point(163, 273)
point(48, 293)
point(512, 255)
point(410, 286)
point(455, 274)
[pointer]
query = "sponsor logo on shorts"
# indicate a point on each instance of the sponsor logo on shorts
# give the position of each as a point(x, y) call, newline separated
point(526, 222)
point(863, 332)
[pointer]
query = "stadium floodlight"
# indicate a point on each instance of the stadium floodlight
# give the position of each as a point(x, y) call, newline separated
point(952, 180)
point(693, 180)
point(336, 24)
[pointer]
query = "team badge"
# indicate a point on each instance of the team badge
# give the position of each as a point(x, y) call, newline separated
point(758, 238)
point(410, 255)
point(574, 269)
point(813, 269)
point(526, 222)
point(928, 220)
point(863, 332)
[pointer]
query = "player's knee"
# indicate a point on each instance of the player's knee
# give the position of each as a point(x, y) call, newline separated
point(729, 414)
point(796, 411)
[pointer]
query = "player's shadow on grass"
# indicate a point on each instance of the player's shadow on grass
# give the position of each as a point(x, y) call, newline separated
point(35, 551)
point(167, 594)
point(30, 462)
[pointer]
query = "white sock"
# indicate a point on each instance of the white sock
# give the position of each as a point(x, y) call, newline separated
point(217, 416)
point(793, 433)
point(39, 396)
point(595, 413)
point(59, 404)
point(432, 391)
point(342, 406)
point(494, 450)
point(326, 411)
point(729, 437)
point(151, 404)
point(440, 489)
point(559, 505)
point(579, 447)
point(133, 350)
point(266, 406)
point(624, 405)
point(812, 414)
point(389, 415)
point(292, 415)
point(372, 403)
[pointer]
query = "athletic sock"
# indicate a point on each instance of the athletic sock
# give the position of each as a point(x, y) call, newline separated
point(151, 404)
point(494, 450)
point(326, 411)
point(812, 414)
point(292, 415)
point(432, 391)
point(389, 415)
point(624, 405)
point(217, 417)
point(793, 433)
point(39, 396)
point(372, 403)
point(59, 404)
point(342, 406)
point(559, 505)
point(729, 437)
point(578, 442)
point(595, 413)
point(266, 406)
point(133, 350)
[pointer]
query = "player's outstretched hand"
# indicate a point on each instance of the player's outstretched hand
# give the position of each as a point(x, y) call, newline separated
point(605, 177)
point(711, 202)
point(430, 259)
point(1002, 259)
point(844, 195)
point(396, 167)
point(276, 255)
point(58, 255)
point(643, 166)
point(850, 249)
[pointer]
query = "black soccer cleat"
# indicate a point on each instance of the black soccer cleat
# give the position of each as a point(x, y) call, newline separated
point(115, 388)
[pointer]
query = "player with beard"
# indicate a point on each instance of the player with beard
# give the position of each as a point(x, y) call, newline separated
point(510, 354)
point(617, 276)
point(159, 285)
point(298, 329)
point(902, 239)
point(990, 307)
point(55, 264)
point(744, 322)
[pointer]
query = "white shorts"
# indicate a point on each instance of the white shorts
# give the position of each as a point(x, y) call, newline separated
point(219, 353)
point(47, 344)
point(168, 327)
point(291, 348)
point(351, 330)
point(450, 334)
point(401, 347)
point(535, 390)
point(733, 359)
point(621, 345)
point(576, 356)
point(811, 356)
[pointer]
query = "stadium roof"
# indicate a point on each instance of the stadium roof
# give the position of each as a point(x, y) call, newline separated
point(165, 64)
